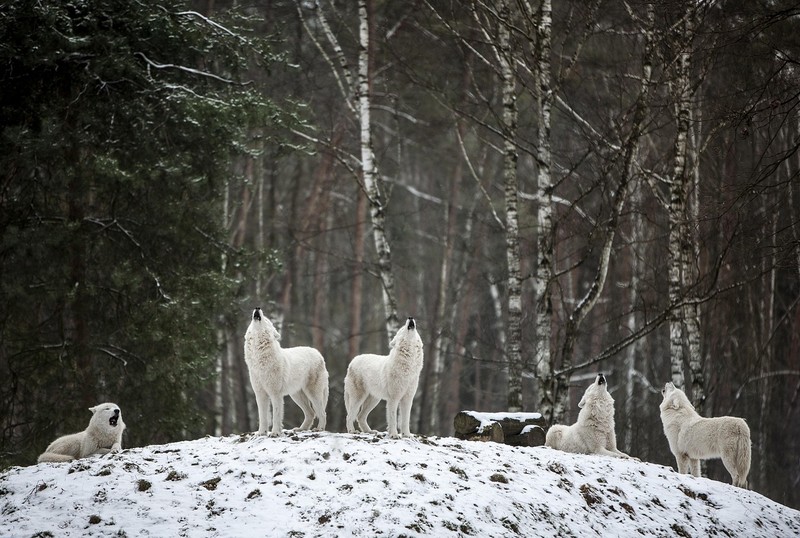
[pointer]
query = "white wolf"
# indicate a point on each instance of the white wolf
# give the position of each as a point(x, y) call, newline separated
point(103, 435)
point(275, 372)
point(394, 378)
point(593, 433)
point(693, 438)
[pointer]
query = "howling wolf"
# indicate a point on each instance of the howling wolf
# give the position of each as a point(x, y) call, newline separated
point(593, 433)
point(693, 438)
point(103, 435)
point(394, 378)
point(275, 372)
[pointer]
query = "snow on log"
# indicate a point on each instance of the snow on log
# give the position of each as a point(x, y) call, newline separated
point(516, 429)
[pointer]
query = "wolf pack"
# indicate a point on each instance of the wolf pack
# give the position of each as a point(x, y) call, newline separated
point(300, 373)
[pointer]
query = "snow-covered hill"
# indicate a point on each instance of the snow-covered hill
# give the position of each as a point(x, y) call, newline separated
point(328, 484)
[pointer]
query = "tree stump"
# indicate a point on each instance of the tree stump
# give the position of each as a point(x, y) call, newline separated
point(515, 429)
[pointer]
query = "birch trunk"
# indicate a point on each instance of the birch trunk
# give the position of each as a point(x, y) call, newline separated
point(369, 170)
point(544, 219)
point(691, 312)
point(513, 347)
point(678, 240)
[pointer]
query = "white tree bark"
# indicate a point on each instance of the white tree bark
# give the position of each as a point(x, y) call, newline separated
point(514, 287)
point(678, 218)
point(690, 259)
point(544, 218)
point(361, 105)
point(370, 175)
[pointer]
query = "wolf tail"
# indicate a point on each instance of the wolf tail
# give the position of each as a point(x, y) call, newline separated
point(54, 457)
point(553, 437)
point(743, 454)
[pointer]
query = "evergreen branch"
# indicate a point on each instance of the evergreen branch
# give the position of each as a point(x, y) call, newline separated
point(190, 70)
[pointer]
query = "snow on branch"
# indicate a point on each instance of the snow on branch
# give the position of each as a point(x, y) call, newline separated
point(191, 70)
point(210, 22)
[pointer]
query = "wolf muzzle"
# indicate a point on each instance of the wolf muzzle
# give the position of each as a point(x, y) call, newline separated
point(257, 313)
point(411, 324)
point(114, 418)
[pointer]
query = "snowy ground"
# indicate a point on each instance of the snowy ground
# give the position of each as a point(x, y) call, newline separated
point(328, 484)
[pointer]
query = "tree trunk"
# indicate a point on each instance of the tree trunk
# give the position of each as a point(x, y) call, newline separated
point(679, 187)
point(513, 347)
point(520, 429)
point(369, 168)
point(691, 312)
point(544, 219)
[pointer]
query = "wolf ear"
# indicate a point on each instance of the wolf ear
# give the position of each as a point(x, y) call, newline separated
point(582, 402)
point(94, 409)
point(674, 403)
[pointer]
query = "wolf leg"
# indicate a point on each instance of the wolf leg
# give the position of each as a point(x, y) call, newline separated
point(302, 400)
point(366, 408)
point(277, 416)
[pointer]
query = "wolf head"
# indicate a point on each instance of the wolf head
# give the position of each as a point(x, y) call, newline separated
point(597, 389)
point(674, 399)
point(107, 416)
point(406, 334)
point(263, 326)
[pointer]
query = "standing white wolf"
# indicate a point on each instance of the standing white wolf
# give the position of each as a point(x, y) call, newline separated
point(103, 435)
point(593, 433)
point(394, 378)
point(275, 372)
point(693, 438)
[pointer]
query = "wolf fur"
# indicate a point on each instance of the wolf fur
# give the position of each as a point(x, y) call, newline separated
point(693, 438)
point(394, 378)
point(275, 372)
point(593, 433)
point(103, 435)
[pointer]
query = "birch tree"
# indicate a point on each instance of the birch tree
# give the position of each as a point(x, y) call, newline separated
point(544, 218)
point(514, 292)
point(370, 171)
point(679, 243)
point(357, 95)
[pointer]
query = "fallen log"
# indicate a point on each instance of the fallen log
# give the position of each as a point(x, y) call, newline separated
point(516, 429)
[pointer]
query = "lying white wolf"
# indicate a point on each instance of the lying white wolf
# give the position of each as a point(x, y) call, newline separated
point(103, 435)
point(275, 372)
point(693, 438)
point(394, 378)
point(593, 433)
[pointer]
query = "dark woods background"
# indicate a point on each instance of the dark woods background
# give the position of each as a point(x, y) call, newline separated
point(167, 167)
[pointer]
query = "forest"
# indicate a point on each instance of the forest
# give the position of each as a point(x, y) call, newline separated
point(551, 189)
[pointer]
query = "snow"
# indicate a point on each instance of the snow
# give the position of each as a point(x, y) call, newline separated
point(330, 484)
point(487, 419)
